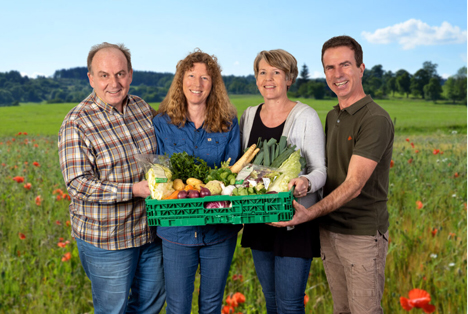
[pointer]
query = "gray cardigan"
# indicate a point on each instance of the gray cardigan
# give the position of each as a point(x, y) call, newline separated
point(303, 129)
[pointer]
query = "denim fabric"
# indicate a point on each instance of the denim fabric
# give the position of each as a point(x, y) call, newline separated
point(283, 280)
point(125, 281)
point(180, 266)
point(355, 269)
point(211, 147)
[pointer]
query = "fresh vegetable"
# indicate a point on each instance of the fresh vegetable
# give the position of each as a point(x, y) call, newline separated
point(171, 196)
point(204, 192)
point(228, 190)
point(215, 187)
point(289, 169)
point(160, 190)
point(195, 183)
point(222, 174)
point(182, 194)
point(245, 159)
point(189, 187)
point(193, 194)
point(178, 185)
point(219, 204)
point(185, 166)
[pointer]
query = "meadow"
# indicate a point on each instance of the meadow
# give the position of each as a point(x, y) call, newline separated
point(41, 271)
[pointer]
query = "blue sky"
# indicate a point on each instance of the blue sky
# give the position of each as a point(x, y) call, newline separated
point(40, 37)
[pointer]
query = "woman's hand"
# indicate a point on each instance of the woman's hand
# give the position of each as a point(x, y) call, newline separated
point(302, 186)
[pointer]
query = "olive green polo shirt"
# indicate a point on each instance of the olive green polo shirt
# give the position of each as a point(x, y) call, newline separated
point(363, 129)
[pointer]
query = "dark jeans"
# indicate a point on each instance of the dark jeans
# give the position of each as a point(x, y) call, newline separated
point(283, 280)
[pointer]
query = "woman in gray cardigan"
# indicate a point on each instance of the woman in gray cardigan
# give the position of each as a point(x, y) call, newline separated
point(282, 257)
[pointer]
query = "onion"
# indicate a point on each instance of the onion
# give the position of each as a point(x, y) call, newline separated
point(193, 194)
point(182, 194)
point(204, 192)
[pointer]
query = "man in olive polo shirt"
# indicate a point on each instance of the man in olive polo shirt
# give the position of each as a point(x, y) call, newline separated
point(354, 226)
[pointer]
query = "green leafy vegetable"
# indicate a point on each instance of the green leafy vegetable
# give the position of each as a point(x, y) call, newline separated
point(289, 169)
point(185, 166)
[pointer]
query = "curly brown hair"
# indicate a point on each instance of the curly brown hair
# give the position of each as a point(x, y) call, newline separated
point(219, 110)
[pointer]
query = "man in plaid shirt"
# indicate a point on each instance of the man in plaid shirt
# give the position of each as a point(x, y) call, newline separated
point(98, 141)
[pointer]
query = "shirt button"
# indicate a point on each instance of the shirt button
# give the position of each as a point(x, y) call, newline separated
point(196, 146)
point(338, 121)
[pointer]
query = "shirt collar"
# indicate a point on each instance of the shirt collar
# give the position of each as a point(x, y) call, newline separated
point(98, 101)
point(356, 106)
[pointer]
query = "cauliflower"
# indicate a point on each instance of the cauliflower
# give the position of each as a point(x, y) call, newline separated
point(215, 187)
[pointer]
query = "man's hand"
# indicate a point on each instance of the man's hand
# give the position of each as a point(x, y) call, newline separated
point(301, 215)
point(141, 189)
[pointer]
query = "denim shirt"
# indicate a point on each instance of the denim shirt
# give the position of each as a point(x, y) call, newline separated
point(213, 148)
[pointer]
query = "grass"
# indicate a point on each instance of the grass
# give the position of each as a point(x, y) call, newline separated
point(410, 116)
point(428, 245)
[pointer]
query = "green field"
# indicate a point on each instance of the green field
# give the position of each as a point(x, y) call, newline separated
point(410, 116)
point(427, 205)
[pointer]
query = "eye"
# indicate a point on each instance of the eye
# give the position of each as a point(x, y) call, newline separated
point(261, 72)
point(277, 72)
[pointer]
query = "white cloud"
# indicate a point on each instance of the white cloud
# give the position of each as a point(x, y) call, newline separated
point(317, 74)
point(34, 75)
point(236, 63)
point(446, 76)
point(414, 33)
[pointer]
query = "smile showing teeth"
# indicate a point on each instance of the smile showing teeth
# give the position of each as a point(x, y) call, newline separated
point(269, 86)
point(196, 91)
point(114, 92)
point(342, 83)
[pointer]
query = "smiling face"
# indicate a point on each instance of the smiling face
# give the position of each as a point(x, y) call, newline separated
point(271, 81)
point(110, 76)
point(343, 76)
point(197, 84)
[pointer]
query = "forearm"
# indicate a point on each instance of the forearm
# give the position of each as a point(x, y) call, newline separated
point(95, 191)
point(340, 196)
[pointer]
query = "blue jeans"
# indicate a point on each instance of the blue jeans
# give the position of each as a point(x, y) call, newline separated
point(283, 280)
point(125, 281)
point(180, 266)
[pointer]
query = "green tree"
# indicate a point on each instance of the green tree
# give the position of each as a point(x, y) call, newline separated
point(430, 68)
point(418, 81)
point(403, 83)
point(391, 84)
point(433, 90)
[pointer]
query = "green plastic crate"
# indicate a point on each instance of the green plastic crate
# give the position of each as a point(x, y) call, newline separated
point(245, 209)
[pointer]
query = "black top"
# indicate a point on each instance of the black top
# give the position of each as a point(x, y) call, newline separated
point(303, 240)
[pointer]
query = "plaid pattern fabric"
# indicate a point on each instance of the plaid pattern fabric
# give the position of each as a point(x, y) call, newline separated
point(97, 148)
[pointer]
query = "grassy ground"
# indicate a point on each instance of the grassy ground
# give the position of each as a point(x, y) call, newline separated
point(410, 116)
point(427, 206)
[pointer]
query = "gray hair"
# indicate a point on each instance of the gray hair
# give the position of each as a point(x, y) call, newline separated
point(96, 48)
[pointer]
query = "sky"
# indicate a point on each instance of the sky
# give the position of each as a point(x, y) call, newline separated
point(40, 37)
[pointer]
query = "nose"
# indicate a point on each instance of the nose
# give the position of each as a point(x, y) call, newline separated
point(338, 72)
point(269, 76)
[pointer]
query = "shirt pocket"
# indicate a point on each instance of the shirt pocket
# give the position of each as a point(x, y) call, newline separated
point(175, 145)
point(213, 149)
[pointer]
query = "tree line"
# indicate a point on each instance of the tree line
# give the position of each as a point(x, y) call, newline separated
point(71, 85)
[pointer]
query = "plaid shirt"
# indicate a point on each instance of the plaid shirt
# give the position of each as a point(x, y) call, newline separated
point(97, 148)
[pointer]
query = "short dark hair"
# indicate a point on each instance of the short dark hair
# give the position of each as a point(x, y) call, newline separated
point(104, 45)
point(346, 41)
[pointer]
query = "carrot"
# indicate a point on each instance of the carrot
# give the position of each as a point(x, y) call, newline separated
point(244, 159)
point(189, 187)
point(172, 196)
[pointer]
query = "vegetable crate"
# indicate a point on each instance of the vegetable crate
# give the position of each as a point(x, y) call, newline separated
point(244, 209)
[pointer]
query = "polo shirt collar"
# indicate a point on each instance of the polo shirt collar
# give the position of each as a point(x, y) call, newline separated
point(98, 101)
point(356, 106)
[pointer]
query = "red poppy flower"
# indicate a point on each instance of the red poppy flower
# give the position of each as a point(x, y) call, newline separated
point(227, 310)
point(231, 301)
point(456, 175)
point(19, 179)
point(436, 151)
point(36, 164)
point(21, 236)
point(61, 244)
point(3, 164)
point(58, 198)
point(19, 133)
point(407, 139)
point(38, 200)
point(412, 145)
point(419, 204)
point(66, 257)
point(35, 145)
point(306, 299)
point(416, 151)
point(410, 160)
point(58, 223)
point(61, 239)
point(27, 186)
point(434, 232)
point(419, 299)
point(25, 133)
point(67, 223)
point(392, 163)
point(239, 297)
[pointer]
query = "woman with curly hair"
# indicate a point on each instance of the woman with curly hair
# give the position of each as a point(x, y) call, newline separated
point(197, 117)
